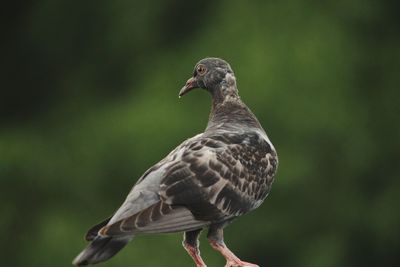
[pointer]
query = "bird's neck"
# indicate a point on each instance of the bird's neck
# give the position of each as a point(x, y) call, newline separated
point(225, 91)
point(228, 109)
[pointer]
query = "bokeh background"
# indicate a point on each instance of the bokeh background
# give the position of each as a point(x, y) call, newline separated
point(89, 101)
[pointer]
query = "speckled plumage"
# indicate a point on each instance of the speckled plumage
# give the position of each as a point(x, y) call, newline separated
point(207, 181)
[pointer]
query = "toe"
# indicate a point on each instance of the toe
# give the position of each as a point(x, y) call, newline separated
point(240, 264)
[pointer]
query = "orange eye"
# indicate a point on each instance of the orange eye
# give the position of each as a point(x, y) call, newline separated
point(201, 69)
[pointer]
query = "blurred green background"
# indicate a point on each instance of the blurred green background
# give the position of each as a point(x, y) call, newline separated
point(89, 101)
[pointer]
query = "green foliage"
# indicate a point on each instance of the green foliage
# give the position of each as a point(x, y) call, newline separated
point(89, 102)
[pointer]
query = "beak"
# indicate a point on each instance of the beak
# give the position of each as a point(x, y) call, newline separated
point(190, 84)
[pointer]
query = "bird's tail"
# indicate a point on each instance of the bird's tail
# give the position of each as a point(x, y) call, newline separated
point(101, 249)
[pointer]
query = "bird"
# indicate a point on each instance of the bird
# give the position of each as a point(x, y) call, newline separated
point(206, 182)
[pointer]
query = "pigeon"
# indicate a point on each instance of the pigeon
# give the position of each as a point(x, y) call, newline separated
point(205, 183)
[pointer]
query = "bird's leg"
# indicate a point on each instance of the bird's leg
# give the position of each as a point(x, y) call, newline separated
point(191, 244)
point(216, 238)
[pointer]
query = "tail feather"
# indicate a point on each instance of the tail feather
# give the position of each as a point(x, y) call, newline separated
point(101, 249)
point(92, 233)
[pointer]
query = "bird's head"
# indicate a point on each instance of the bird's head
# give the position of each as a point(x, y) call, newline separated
point(213, 74)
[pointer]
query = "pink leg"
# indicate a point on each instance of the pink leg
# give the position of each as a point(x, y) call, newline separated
point(231, 259)
point(191, 244)
point(194, 252)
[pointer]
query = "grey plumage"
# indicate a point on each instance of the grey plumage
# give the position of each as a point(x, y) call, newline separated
point(207, 181)
point(101, 249)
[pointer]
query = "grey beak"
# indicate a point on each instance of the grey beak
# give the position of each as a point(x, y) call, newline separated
point(190, 84)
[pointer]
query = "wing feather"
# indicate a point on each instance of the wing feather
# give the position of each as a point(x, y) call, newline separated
point(221, 176)
point(158, 218)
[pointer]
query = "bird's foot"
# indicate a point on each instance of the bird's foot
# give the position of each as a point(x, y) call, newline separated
point(231, 259)
point(240, 264)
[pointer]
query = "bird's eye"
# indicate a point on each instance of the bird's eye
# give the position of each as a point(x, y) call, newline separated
point(201, 69)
